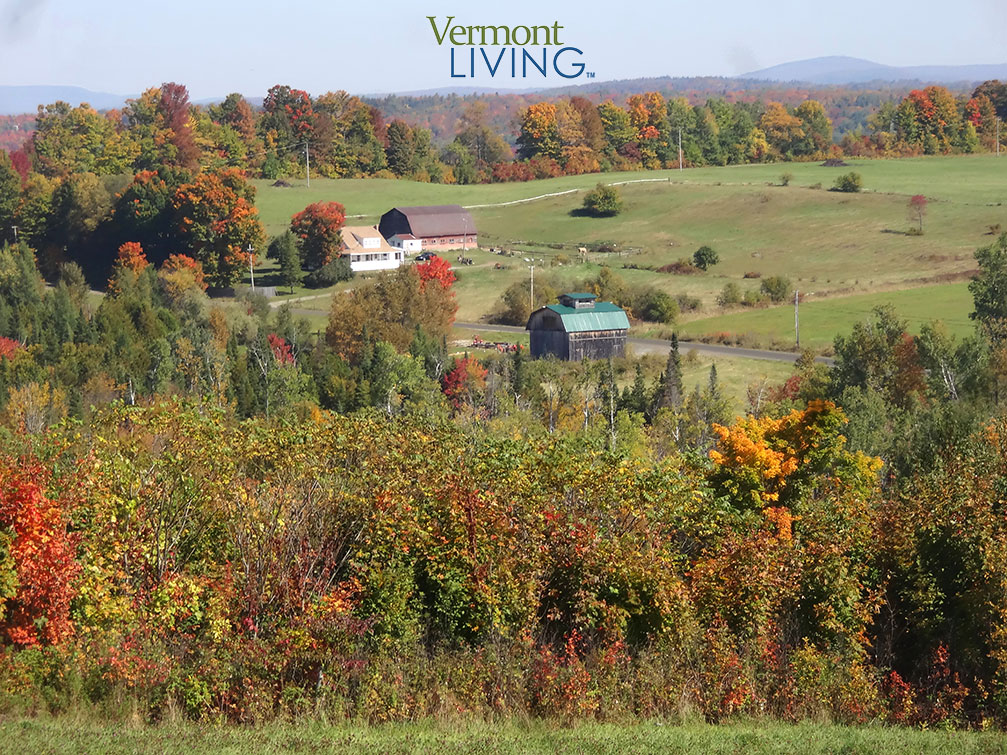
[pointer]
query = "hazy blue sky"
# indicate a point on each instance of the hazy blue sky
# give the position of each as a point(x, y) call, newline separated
point(220, 46)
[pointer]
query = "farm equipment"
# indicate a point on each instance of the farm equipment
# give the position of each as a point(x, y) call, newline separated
point(502, 346)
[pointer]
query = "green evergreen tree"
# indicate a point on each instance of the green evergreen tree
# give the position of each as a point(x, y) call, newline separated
point(290, 260)
point(634, 398)
point(400, 153)
point(670, 394)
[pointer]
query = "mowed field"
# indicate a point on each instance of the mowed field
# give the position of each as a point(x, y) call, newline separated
point(819, 319)
point(846, 253)
point(39, 735)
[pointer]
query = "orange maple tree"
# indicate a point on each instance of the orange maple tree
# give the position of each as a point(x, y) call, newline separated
point(131, 256)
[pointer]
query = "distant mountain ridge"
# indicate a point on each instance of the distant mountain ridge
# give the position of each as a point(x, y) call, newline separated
point(15, 100)
point(840, 69)
point(825, 71)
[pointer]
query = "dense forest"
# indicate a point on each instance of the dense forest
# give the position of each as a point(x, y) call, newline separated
point(848, 107)
point(465, 139)
point(207, 508)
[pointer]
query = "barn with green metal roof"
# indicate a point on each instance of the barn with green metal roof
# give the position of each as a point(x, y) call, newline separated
point(578, 328)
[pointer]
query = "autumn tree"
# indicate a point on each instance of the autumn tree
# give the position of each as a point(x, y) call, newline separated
point(81, 205)
point(131, 256)
point(515, 305)
point(996, 92)
point(317, 227)
point(930, 119)
point(590, 122)
point(217, 222)
point(539, 132)
point(144, 213)
point(389, 309)
point(465, 383)
point(179, 274)
point(70, 140)
point(817, 129)
point(484, 145)
point(881, 356)
point(917, 209)
point(289, 117)
point(648, 114)
point(616, 127)
point(784, 130)
point(437, 270)
point(174, 109)
point(360, 139)
point(10, 195)
point(37, 566)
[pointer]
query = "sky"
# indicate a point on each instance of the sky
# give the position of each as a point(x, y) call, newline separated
point(219, 46)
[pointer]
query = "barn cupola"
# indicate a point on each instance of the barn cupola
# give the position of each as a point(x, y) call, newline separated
point(577, 300)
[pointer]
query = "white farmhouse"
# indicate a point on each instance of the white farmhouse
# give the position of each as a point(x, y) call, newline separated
point(368, 250)
point(407, 243)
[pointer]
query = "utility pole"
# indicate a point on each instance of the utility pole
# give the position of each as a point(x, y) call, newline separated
point(15, 233)
point(532, 268)
point(998, 136)
point(307, 163)
point(797, 317)
point(251, 268)
point(679, 149)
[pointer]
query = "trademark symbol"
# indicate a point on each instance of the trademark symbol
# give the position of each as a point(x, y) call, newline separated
point(590, 74)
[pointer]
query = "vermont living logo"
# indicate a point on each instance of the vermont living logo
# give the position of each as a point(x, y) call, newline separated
point(518, 51)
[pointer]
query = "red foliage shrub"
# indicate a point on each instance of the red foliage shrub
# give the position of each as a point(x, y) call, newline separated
point(8, 347)
point(281, 349)
point(467, 377)
point(512, 171)
point(545, 167)
point(37, 576)
point(436, 269)
point(21, 161)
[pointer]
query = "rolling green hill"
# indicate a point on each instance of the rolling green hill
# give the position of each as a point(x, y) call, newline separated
point(845, 252)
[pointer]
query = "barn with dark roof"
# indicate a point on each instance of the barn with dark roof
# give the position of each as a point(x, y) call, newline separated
point(439, 227)
point(578, 328)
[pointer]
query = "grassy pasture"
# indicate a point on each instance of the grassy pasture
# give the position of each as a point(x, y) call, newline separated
point(48, 736)
point(975, 179)
point(849, 250)
point(822, 320)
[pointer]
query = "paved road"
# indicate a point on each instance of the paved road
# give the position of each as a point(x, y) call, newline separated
point(660, 345)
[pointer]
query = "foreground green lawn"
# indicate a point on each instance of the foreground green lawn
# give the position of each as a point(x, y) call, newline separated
point(67, 736)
